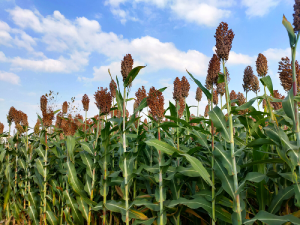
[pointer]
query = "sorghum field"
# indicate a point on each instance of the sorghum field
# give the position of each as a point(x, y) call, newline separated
point(234, 165)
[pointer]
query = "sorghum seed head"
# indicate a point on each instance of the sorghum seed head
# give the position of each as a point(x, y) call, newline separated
point(140, 95)
point(181, 107)
point(85, 102)
point(11, 114)
point(221, 88)
point(24, 119)
point(255, 86)
point(185, 87)
point(232, 97)
point(48, 117)
point(177, 94)
point(43, 103)
point(277, 105)
point(248, 79)
point(65, 107)
point(103, 100)
point(261, 65)
point(206, 111)
point(126, 66)
point(18, 116)
point(296, 16)
point(1, 128)
point(145, 125)
point(224, 39)
point(113, 88)
point(241, 99)
point(198, 94)
point(286, 74)
point(37, 127)
point(212, 72)
point(155, 102)
point(215, 97)
point(19, 128)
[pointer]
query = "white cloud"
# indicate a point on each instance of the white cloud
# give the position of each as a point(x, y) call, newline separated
point(1, 99)
point(238, 58)
point(259, 7)
point(200, 13)
point(2, 57)
point(76, 62)
point(276, 54)
point(9, 77)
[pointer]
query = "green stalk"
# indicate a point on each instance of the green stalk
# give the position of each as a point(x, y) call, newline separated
point(125, 163)
point(135, 163)
point(160, 182)
point(297, 128)
point(113, 162)
point(237, 197)
point(214, 220)
point(177, 131)
point(85, 126)
point(105, 175)
point(257, 102)
point(45, 179)
point(93, 178)
point(198, 109)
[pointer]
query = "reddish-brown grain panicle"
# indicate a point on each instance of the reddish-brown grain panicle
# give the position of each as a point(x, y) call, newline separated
point(261, 65)
point(212, 72)
point(233, 96)
point(126, 66)
point(181, 107)
point(185, 87)
point(85, 102)
point(37, 127)
point(19, 128)
point(215, 97)
point(241, 99)
point(206, 111)
point(255, 86)
point(24, 119)
point(248, 79)
point(296, 16)
point(43, 103)
point(177, 94)
point(113, 88)
point(65, 107)
point(145, 125)
point(76, 120)
point(224, 39)
point(17, 116)
point(286, 74)
point(277, 105)
point(48, 117)
point(140, 95)
point(155, 102)
point(103, 100)
point(11, 114)
point(114, 113)
point(193, 117)
point(198, 94)
point(1, 128)
point(221, 88)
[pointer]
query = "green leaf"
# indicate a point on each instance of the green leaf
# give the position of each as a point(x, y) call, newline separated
point(218, 118)
point(221, 78)
point(277, 200)
point(76, 214)
point(86, 147)
point(33, 215)
point(264, 161)
point(74, 181)
point(83, 207)
point(288, 106)
point(226, 180)
point(289, 28)
point(71, 147)
point(205, 91)
point(260, 142)
point(162, 146)
point(269, 218)
point(87, 160)
point(146, 203)
point(132, 75)
point(51, 218)
point(266, 81)
point(197, 165)
point(247, 104)
point(224, 156)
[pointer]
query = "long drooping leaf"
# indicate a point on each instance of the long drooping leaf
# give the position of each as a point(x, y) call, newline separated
point(282, 195)
point(218, 118)
point(205, 91)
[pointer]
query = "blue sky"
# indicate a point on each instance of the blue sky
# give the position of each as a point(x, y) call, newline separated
point(68, 46)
